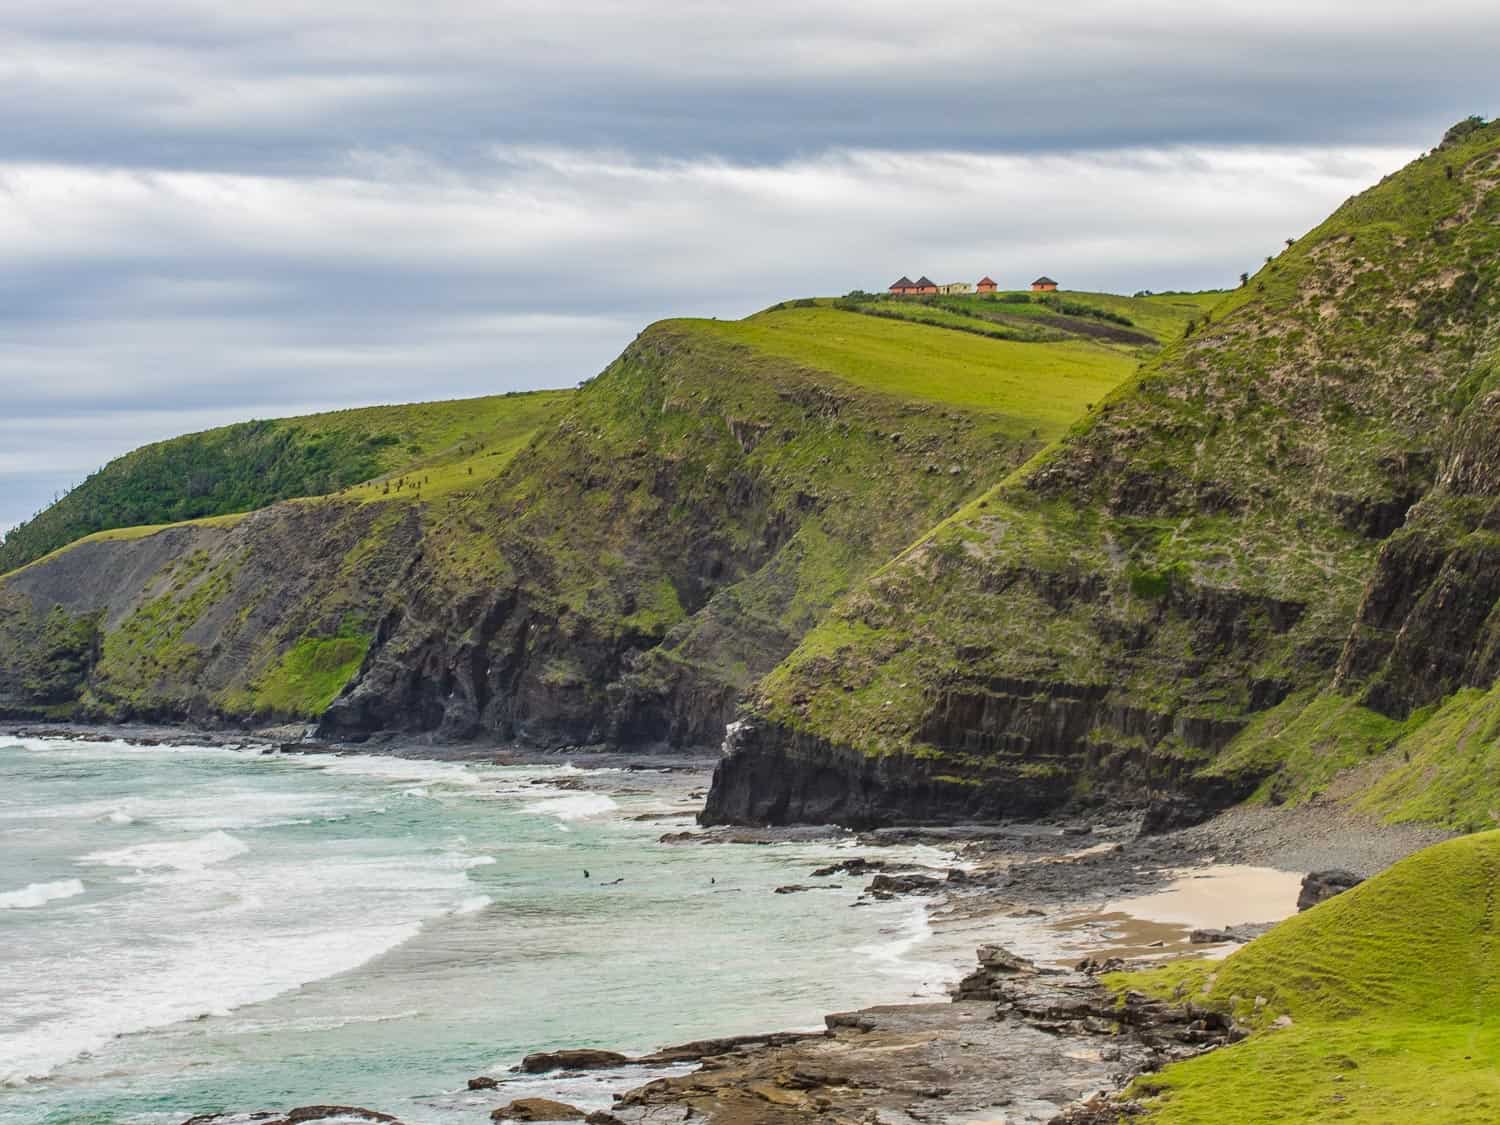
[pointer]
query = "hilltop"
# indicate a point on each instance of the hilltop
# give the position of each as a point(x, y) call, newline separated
point(616, 565)
point(237, 469)
point(1267, 557)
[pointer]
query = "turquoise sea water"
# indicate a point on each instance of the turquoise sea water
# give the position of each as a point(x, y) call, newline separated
point(192, 930)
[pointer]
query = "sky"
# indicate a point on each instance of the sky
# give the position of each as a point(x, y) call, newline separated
point(212, 210)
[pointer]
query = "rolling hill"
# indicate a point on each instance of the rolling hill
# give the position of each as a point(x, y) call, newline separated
point(617, 565)
point(1390, 990)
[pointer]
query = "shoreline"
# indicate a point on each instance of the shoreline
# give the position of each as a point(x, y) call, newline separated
point(1042, 891)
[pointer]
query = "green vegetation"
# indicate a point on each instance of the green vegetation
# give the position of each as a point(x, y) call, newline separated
point(1189, 560)
point(1030, 387)
point(668, 533)
point(309, 675)
point(1393, 992)
point(246, 466)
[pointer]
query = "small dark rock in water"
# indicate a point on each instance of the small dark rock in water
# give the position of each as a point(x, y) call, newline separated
point(797, 888)
point(1320, 885)
point(904, 885)
point(576, 1059)
point(483, 1082)
point(856, 866)
point(602, 1117)
point(537, 1109)
point(304, 1114)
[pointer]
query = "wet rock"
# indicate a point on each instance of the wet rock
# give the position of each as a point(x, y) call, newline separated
point(602, 1117)
point(798, 888)
point(537, 1109)
point(859, 865)
point(576, 1059)
point(700, 1049)
point(1239, 934)
point(904, 885)
point(483, 1082)
point(329, 1112)
point(1318, 886)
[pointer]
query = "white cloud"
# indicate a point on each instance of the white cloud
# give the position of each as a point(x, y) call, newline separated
point(209, 211)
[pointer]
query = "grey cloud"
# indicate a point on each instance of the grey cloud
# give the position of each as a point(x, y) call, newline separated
point(213, 211)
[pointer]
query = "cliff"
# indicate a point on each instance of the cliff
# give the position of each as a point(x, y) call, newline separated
point(616, 566)
point(1267, 558)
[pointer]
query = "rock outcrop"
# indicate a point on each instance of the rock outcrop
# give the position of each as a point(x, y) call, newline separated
point(1319, 886)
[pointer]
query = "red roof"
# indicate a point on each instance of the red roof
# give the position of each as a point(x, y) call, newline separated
point(986, 281)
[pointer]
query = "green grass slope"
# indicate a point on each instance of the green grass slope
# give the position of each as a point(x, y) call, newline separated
point(248, 465)
point(1200, 548)
point(1036, 390)
point(616, 565)
point(712, 492)
point(1393, 990)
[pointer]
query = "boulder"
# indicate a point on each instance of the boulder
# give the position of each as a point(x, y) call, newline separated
point(537, 1109)
point(996, 963)
point(483, 1082)
point(904, 885)
point(1166, 814)
point(576, 1059)
point(1320, 885)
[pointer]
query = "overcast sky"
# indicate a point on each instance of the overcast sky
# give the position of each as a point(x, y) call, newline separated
point(213, 210)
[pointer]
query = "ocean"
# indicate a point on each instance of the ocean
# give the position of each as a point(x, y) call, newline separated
point(189, 930)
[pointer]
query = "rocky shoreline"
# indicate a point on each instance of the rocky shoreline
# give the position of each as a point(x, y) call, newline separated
point(1021, 1039)
point(1024, 1038)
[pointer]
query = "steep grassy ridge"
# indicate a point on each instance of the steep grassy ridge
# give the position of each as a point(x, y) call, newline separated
point(1201, 549)
point(1393, 989)
point(623, 574)
point(246, 466)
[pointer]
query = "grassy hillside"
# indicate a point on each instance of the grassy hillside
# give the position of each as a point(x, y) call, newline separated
point(1199, 549)
point(1393, 990)
point(246, 466)
point(1035, 389)
point(618, 565)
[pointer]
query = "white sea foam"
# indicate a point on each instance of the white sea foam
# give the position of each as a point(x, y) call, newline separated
point(479, 861)
point(579, 806)
point(893, 957)
point(39, 894)
point(472, 905)
point(180, 855)
point(408, 771)
point(115, 816)
point(195, 978)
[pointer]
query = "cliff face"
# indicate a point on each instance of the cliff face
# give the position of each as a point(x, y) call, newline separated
point(1295, 504)
point(661, 549)
point(255, 616)
point(623, 578)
